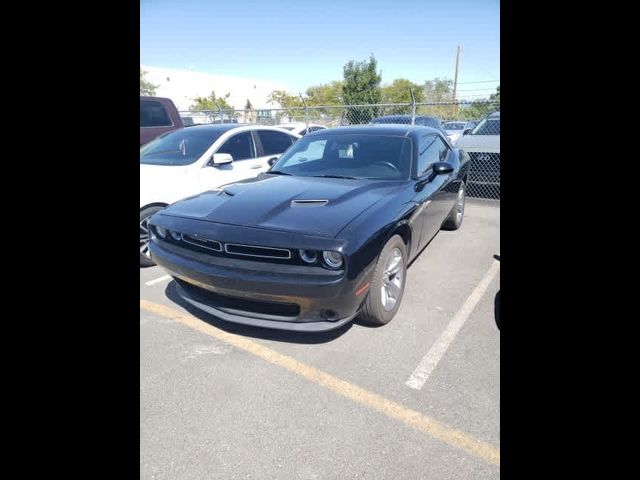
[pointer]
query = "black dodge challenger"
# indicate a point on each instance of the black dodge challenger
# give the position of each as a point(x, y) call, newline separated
point(325, 235)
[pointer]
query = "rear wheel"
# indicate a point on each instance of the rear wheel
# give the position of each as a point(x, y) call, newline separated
point(145, 259)
point(454, 220)
point(387, 284)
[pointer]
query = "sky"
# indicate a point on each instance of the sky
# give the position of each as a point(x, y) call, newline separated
point(305, 43)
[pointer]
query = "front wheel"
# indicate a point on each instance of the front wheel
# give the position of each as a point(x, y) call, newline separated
point(387, 284)
point(145, 259)
point(454, 220)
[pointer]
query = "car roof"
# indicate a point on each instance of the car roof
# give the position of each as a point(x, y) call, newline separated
point(405, 116)
point(224, 127)
point(376, 129)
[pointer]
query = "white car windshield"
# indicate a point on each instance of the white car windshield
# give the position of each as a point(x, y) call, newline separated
point(180, 147)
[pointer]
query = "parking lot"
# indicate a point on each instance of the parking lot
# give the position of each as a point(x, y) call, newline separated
point(417, 398)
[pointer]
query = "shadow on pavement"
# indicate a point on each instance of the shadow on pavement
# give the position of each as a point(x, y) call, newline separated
point(256, 332)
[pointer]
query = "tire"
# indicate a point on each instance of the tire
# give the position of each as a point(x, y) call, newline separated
point(145, 260)
point(456, 215)
point(378, 309)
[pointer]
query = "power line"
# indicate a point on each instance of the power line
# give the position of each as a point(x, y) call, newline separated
point(480, 81)
point(490, 89)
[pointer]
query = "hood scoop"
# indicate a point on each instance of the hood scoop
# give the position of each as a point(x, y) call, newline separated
point(309, 203)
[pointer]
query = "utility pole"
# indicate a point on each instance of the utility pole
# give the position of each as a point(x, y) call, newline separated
point(455, 84)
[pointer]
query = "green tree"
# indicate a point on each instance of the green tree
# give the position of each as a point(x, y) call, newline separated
point(146, 87)
point(361, 86)
point(325, 94)
point(291, 104)
point(212, 102)
point(438, 91)
point(398, 92)
point(481, 107)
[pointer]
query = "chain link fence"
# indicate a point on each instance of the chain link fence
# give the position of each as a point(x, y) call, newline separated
point(472, 126)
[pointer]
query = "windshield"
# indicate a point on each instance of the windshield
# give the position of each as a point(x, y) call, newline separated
point(180, 147)
point(454, 125)
point(488, 126)
point(382, 157)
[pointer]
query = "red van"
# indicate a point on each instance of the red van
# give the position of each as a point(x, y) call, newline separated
point(157, 116)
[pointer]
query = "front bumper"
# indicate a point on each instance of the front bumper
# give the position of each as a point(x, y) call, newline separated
point(257, 293)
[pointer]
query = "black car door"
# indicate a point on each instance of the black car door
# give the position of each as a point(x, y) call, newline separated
point(435, 203)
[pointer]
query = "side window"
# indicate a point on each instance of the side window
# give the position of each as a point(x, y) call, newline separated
point(240, 146)
point(153, 114)
point(274, 143)
point(431, 149)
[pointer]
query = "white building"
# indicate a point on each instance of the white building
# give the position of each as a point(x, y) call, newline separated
point(182, 86)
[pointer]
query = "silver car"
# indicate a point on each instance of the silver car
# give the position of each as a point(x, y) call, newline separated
point(455, 129)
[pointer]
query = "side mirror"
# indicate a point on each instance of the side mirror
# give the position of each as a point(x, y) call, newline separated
point(272, 160)
point(467, 131)
point(221, 158)
point(441, 168)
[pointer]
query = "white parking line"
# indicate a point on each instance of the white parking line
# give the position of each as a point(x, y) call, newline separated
point(158, 280)
point(430, 361)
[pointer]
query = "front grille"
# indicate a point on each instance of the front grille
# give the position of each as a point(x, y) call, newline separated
point(202, 242)
point(248, 307)
point(254, 251)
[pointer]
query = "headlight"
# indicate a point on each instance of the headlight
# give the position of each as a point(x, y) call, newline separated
point(309, 256)
point(162, 232)
point(332, 259)
point(175, 235)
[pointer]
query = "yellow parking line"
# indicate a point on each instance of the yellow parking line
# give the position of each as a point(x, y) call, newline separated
point(412, 418)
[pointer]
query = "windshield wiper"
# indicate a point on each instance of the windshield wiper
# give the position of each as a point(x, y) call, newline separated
point(277, 172)
point(334, 176)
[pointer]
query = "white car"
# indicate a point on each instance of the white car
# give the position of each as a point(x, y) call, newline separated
point(300, 128)
point(455, 129)
point(483, 146)
point(192, 160)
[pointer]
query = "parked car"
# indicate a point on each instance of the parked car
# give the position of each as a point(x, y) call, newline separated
point(427, 121)
point(482, 143)
point(157, 116)
point(323, 236)
point(201, 157)
point(301, 128)
point(454, 129)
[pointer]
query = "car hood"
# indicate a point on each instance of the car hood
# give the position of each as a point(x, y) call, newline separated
point(165, 184)
point(277, 203)
point(479, 143)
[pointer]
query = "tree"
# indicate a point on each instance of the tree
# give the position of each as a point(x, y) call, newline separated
point(361, 86)
point(290, 104)
point(212, 102)
point(248, 112)
point(436, 91)
point(398, 92)
point(284, 99)
point(325, 94)
point(146, 87)
point(482, 107)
